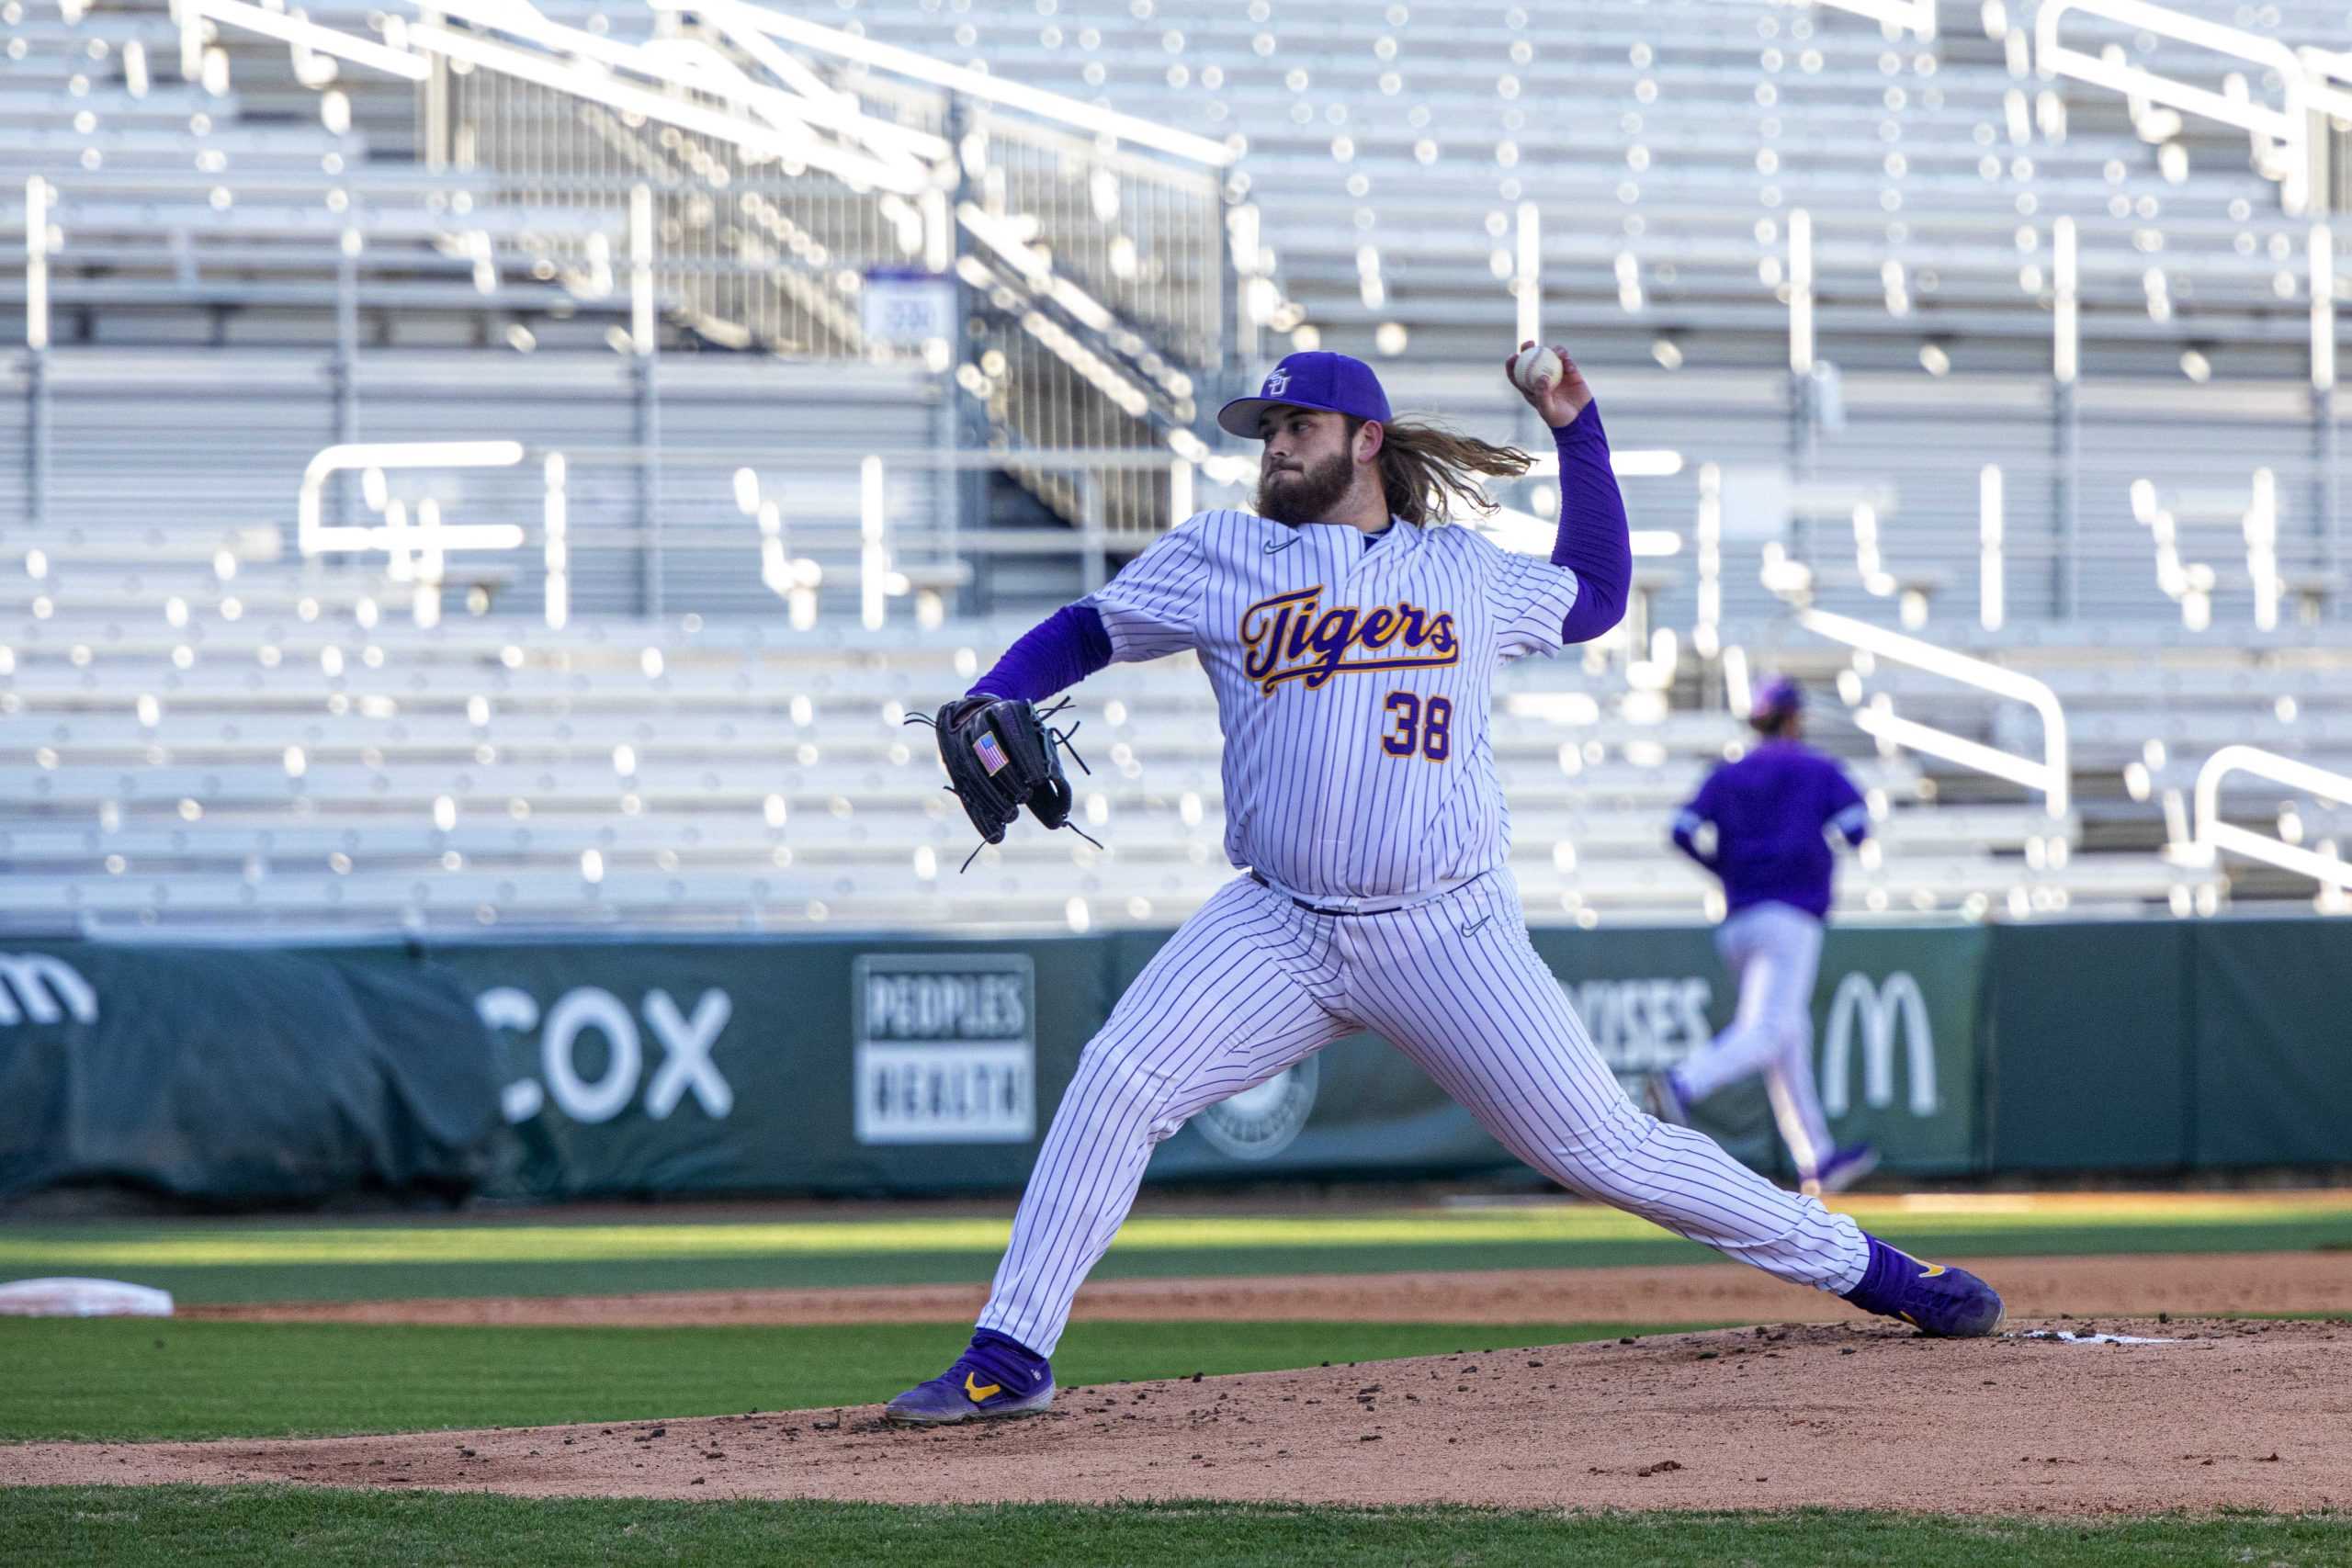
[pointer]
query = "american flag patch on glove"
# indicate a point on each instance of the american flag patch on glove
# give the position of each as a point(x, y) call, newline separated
point(992, 755)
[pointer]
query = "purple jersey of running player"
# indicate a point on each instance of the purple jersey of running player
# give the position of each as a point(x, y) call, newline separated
point(1768, 810)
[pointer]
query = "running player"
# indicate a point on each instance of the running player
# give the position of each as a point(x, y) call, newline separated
point(1770, 813)
point(1351, 642)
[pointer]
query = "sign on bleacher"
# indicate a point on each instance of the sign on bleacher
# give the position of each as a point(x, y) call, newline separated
point(906, 307)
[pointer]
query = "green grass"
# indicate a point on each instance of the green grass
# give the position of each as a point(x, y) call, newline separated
point(463, 1241)
point(226, 1261)
point(191, 1527)
point(123, 1381)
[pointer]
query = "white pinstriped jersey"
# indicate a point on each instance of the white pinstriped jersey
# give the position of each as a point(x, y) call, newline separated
point(1353, 685)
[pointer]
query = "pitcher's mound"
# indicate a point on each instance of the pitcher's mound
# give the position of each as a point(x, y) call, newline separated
point(2122, 1415)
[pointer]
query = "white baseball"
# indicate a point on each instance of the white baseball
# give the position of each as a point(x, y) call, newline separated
point(1536, 366)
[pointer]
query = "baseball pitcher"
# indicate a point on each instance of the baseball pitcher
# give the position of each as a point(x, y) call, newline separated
point(1351, 639)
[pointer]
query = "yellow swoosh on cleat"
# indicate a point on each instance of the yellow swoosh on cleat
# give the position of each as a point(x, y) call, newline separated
point(1930, 1271)
point(979, 1392)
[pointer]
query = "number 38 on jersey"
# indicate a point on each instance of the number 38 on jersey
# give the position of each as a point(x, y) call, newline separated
point(1418, 728)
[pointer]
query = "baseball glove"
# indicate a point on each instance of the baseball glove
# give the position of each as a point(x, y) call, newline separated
point(1001, 755)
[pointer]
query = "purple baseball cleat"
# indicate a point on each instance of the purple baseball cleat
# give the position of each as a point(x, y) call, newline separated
point(995, 1378)
point(1933, 1298)
point(1840, 1170)
point(1665, 1098)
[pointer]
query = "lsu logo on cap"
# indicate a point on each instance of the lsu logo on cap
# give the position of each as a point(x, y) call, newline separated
point(1276, 384)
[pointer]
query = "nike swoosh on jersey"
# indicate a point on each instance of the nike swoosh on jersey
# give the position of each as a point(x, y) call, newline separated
point(1272, 546)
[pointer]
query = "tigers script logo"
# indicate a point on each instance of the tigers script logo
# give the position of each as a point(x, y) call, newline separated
point(1291, 637)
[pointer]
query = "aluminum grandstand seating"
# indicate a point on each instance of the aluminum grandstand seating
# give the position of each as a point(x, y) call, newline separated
point(149, 454)
point(295, 772)
point(1923, 443)
point(1666, 144)
point(200, 731)
point(178, 220)
point(2147, 708)
point(1923, 437)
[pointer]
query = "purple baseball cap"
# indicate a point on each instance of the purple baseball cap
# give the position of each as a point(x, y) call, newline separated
point(1315, 380)
point(1777, 696)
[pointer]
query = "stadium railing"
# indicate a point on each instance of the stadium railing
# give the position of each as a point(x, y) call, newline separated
point(1104, 315)
point(2289, 142)
point(2324, 863)
point(879, 551)
point(2052, 777)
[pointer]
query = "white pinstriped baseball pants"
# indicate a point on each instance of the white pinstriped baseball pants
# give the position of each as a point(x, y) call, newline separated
point(1252, 983)
point(1774, 951)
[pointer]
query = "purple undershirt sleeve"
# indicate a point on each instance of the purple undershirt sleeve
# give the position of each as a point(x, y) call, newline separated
point(1684, 841)
point(1595, 541)
point(1060, 650)
point(1847, 812)
point(1690, 819)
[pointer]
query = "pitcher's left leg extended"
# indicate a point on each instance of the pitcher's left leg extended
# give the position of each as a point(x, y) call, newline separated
point(1456, 984)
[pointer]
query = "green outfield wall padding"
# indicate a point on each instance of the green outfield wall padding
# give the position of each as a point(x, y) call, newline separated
point(871, 1065)
point(863, 1064)
point(2273, 1045)
point(2088, 1054)
point(238, 1076)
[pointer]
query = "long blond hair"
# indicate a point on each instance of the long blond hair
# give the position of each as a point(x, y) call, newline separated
point(1427, 469)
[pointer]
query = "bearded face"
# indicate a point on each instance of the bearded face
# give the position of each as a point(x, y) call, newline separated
point(1295, 493)
point(1305, 469)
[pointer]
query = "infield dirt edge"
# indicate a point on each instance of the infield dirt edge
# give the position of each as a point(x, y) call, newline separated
point(2214, 1283)
point(1780, 1418)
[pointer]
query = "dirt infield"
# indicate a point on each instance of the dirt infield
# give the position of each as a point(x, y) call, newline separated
point(2219, 1413)
point(2208, 1282)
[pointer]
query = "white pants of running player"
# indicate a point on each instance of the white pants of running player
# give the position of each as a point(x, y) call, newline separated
point(1774, 951)
point(1252, 983)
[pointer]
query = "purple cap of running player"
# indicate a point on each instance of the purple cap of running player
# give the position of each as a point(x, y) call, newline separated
point(1777, 698)
point(1315, 380)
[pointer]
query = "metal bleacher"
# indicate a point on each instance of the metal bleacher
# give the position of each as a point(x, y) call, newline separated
point(301, 772)
point(183, 221)
point(1666, 145)
point(2146, 707)
point(1662, 148)
point(205, 732)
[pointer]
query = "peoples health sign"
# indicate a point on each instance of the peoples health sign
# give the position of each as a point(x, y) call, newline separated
point(946, 1047)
